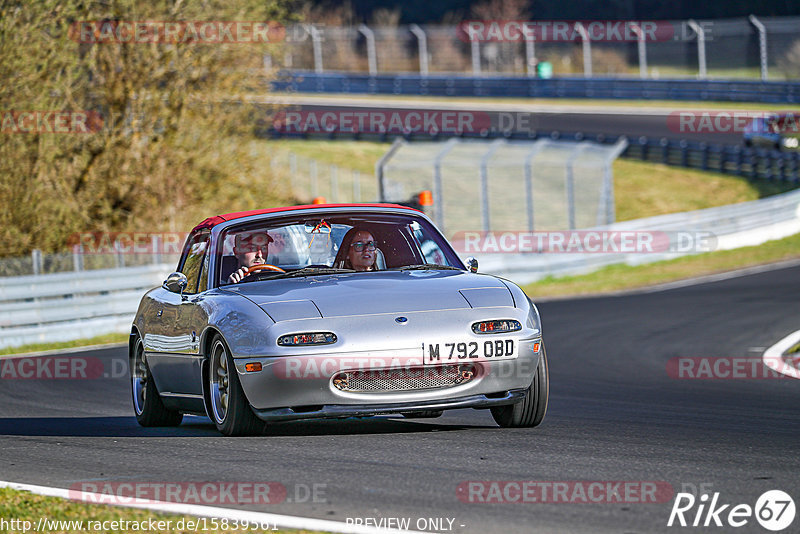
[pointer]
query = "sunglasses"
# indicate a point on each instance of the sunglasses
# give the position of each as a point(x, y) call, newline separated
point(360, 246)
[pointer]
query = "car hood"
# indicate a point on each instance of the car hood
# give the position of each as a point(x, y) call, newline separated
point(351, 294)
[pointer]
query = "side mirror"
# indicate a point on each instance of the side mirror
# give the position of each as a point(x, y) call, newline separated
point(176, 282)
point(472, 264)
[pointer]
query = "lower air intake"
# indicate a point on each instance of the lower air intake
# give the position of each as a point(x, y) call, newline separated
point(411, 379)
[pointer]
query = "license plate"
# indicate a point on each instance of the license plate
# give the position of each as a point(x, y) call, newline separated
point(465, 351)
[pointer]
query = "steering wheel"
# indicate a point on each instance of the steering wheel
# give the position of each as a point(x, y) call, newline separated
point(263, 267)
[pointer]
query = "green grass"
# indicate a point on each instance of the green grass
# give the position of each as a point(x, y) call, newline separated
point(622, 277)
point(26, 506)
point(670, 105)
point(39, 347)
point(645, 189)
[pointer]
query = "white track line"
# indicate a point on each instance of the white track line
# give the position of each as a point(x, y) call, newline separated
point(285, 521)
point(773, 356)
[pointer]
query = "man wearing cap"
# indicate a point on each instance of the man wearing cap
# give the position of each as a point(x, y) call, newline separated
point(250, 248)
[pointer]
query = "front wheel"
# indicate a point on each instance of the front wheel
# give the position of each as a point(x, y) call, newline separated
point(230, 409)
point(531, 411)
point(147, 405)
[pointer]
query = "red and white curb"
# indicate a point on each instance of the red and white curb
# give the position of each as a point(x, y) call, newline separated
point(776, 358)
point(232, 514)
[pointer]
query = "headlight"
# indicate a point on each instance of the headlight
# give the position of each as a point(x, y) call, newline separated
point(496, 327)
point(791, 142)
point(307, 338)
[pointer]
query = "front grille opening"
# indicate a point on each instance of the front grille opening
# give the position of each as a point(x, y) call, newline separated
point(498, 395)
point(404, 379)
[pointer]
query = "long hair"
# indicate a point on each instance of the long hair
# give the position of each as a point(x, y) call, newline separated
point(342, 260)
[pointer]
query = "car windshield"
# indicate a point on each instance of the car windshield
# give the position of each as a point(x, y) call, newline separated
point(328, 244)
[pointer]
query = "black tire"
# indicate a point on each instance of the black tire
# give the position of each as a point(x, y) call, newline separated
point(530, 412)
point(147, 405)
point(229, 408)
point(424, 414)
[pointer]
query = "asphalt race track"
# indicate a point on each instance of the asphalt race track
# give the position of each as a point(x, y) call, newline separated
point(654, 123)
point(615, 415)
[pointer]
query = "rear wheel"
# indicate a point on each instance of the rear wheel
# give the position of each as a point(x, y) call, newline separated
point(230, 409)
point(531, 411)
point(147, 405)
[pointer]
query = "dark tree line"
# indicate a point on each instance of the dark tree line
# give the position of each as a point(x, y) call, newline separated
point(425, 11)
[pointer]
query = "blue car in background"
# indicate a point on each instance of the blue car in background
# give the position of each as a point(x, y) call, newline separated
point(779, 132)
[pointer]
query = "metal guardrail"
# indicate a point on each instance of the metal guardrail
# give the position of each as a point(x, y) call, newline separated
point(73, 305)
point(526, 87)
point(733, 226)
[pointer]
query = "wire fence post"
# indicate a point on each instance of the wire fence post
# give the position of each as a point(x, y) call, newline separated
point(475, 48)
point(381, 164)
point(570, 182)
point(155, 243)
point(586, 43)
point(701, 48)
point(485, 215)
point(312, 171)
point(422, 43)
point(293, 171)
point(537, 147)
point(334, 184)
point(372, 57)
point(316, 42)
point(762, 45)
point(36, 259)
point(530, 55)
point(641, 45)
point(438, 196)
point(356, 186)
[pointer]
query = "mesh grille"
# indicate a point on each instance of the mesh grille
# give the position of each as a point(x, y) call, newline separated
point(413, 378)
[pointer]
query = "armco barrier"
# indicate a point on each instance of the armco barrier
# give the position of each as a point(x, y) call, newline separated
point(73, 305)
point(732, 226)
point(522, 87)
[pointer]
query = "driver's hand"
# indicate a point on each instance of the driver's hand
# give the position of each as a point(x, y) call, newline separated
point(237, 276)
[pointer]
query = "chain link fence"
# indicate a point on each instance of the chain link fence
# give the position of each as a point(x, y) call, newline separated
point(505, 185)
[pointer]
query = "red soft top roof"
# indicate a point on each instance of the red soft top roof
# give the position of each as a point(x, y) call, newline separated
point(217, 219)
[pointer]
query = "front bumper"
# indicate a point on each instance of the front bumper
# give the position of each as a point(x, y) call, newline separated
point(345, 410)
point(303, 386)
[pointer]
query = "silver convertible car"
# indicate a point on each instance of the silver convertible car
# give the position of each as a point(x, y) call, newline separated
point(332, 311)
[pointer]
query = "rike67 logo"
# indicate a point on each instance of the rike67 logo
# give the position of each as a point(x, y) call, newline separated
point(774, 510)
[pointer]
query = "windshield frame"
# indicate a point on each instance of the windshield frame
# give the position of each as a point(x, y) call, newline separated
point(276, 218)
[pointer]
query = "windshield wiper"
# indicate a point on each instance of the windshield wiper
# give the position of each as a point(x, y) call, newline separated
point(305, 271)
point(425, 267)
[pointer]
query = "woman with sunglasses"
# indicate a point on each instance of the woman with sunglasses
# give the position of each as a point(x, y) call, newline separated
point(361, 251)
